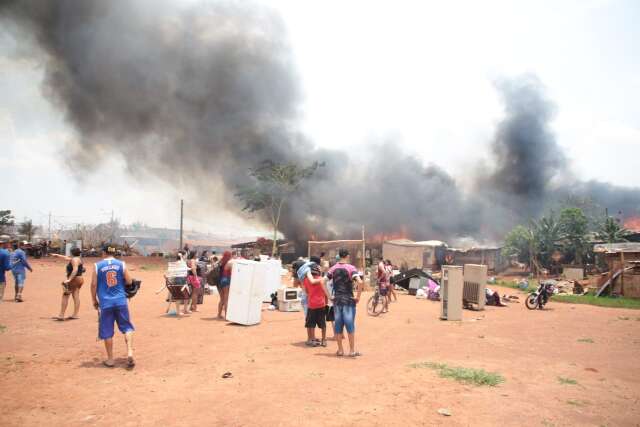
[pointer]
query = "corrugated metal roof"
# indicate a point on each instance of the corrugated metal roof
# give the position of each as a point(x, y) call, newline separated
point(617, 247)
point(406, 242)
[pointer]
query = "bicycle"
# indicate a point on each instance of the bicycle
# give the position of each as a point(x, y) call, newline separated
point(375, 305)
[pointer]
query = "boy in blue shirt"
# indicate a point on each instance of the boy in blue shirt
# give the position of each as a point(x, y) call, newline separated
point(110, 299)
point(19, 267)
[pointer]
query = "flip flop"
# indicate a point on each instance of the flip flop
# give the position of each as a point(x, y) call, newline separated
point(130, 363)
point(355, 354)
point(339, 354)
point(72, 318)
point(104, 362)
point(58, 319)
point(323, 343)
point(227, 375)
point(311, 344)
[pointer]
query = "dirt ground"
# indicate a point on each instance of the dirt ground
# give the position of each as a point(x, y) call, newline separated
point(51, 372)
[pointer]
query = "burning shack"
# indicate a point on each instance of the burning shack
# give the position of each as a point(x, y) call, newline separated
point(263, 246)
point(330, 249)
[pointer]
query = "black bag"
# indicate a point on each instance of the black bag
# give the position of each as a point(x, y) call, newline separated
point(132, 289)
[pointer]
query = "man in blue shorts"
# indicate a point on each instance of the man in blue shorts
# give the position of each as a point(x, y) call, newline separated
point(110, 299)
point(344, 304)
point(19, 267)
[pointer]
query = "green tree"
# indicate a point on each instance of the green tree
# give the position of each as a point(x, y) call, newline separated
point(27, 229)
point(610, 231)
point(273, 184)
point(6, 220)
point(546, 235)
point(536, 244)
point(518, 242)
point(574, 225)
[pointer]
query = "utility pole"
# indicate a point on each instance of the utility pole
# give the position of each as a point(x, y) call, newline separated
point(49, 225)
point(364, 257)
point(113, 227)
point(181, 216)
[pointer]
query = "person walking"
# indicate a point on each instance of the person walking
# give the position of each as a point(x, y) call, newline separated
point(343, 275)
point(226, 263)
point(393, 297)
point(110, 299)
point(5, 265)
point(383, 284)
point(193, 278)
point(19, 267)
point(71, 286)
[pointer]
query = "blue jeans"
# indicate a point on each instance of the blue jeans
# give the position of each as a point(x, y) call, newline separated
point(345, 317)
point(303, 302)
point(19, 278)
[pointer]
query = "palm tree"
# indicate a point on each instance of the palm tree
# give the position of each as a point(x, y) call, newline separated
point(610, 231)
point(546, 234)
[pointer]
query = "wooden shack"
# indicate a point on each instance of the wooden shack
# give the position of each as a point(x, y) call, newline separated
point(408, 254)
point(491, 257)
point(623, 261)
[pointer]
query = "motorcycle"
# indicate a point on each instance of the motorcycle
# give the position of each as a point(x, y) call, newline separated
point(540, 297)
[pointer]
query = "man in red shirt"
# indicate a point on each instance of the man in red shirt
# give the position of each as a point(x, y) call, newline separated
point(317, 297)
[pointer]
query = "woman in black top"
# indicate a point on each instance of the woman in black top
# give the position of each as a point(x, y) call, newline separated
point(72, 285)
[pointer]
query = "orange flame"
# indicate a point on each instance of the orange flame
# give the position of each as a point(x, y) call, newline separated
point(632, 224)
point(384, 237)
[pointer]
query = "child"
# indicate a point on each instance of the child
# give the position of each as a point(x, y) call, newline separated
point(331, 316)
point(317, 296)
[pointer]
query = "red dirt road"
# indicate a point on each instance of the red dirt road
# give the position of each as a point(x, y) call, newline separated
point(51, 372)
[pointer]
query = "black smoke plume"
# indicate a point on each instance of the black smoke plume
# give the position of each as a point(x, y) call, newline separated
point(201, 93)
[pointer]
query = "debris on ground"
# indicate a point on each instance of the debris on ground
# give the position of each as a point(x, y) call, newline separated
point(445, 412)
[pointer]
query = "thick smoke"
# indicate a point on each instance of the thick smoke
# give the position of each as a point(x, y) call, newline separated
point(204, 92)
point(194, 93)
point(525, 150)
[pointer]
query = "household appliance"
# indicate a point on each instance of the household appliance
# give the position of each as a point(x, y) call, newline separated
point(246, 292)
point(451, 292)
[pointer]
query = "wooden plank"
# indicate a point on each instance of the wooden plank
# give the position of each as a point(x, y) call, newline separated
point(610, 281)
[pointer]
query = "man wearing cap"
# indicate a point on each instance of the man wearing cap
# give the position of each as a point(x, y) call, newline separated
point(19, 267)
point(110, 299)
point(5, 265)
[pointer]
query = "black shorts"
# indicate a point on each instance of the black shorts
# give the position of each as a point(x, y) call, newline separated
point(316, 317)
point(331, 315)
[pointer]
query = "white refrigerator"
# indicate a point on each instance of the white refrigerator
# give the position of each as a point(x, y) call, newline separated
point(246, 292)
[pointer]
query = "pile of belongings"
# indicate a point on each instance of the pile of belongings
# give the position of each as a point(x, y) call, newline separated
point(430, 292)
point(575, 287)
